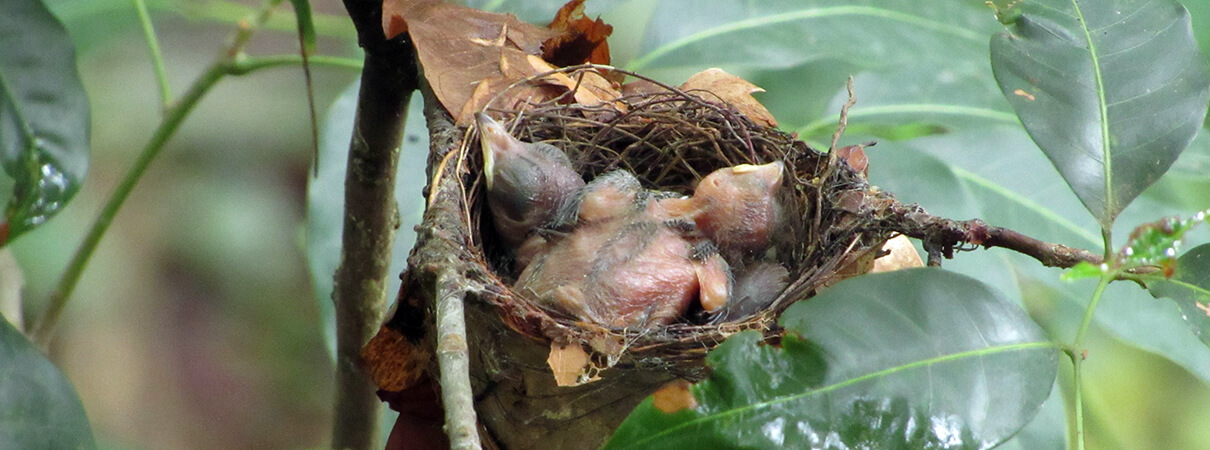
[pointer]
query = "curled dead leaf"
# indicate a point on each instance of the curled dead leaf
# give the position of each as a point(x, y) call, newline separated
point(730, 89)
point(673, 397)
point(571, 365)
point(903, 255)
point(588, 87)
point(471, 56)
point(394, 363)
point(580, 39)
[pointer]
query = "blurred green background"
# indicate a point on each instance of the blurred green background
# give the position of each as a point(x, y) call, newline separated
point(197, 324)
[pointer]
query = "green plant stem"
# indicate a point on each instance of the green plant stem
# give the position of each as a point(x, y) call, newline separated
point(1077, 364)
point(157, 57)
point(176, 113)
point(1076, 351)
point(268, 62)
point(1082, 332)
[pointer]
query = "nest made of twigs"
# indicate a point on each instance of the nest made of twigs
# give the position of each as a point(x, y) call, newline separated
point(670, 139)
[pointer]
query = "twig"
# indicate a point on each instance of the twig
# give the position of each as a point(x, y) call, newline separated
point(445, 196)
point(942, 236)
point(822, 180)
point(453, 357)
point(387, 80)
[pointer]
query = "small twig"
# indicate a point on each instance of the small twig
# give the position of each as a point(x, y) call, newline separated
point(822, 180)
point(453, 358)
point(844, 116)
point(942, 236)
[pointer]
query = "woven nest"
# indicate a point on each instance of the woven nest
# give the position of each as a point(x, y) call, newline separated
point(670, 139)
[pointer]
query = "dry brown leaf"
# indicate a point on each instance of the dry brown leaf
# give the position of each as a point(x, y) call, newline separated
point(588, 86)
point(460, 48)
point(580, 40)
point(673, 397)
point(470, 56)
point(570, 365)
point(903, 256)
point(856, 157)
point(394, 364)
point(731, 89)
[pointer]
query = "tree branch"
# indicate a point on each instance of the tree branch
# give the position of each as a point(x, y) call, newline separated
point(388, 79)
point(941, 236)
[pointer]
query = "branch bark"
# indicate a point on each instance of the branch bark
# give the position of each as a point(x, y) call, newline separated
point(942, 236)
point(388, 79)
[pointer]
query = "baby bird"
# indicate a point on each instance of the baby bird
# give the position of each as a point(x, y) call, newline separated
point(527, 183)
point(736, 207)
point(755, 288)
point(621, 265)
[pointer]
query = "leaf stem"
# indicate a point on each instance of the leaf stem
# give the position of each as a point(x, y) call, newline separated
point(1077, 364)
point(1086, 322)
point(1077, 353)
point(175, 114)
point(157, 57)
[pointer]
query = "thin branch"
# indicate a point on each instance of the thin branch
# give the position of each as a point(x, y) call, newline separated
point(451, 282)
point(453, 356)
point(388, 79)
point(941, 236)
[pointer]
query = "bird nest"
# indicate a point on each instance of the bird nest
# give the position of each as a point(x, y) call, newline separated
point(669, 139)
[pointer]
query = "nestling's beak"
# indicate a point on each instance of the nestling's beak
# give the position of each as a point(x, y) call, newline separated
point(494, 140)
point(770, 173)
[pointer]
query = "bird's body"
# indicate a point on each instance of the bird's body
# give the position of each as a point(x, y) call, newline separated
point(620, 265)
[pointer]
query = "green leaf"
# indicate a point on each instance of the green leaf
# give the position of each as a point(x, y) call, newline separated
point(1015, 187)
point(1112, 91)
point(945, 364)
point(38, 406)
point(786, 33)
point(1190, 289)
point(43, 116)
point(325, 199)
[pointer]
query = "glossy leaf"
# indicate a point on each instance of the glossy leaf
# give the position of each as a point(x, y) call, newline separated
point(1016, 187)
point(945, 363)
point(1112, 91)
point(39, 407)
point(786, 33)
point(1190, 289)
point(325, 200)
point(43, 116)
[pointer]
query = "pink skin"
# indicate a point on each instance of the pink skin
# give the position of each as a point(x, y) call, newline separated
point(736, 206)
point(622, 266)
